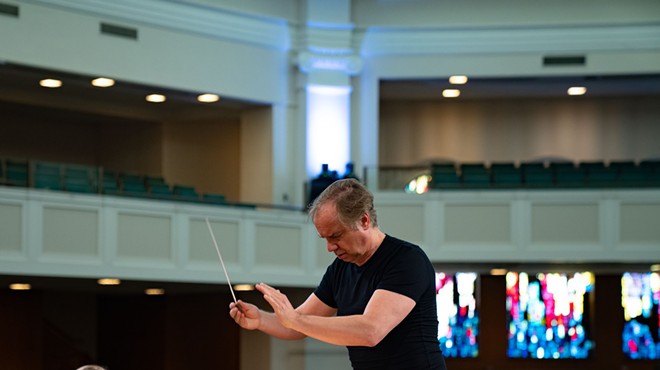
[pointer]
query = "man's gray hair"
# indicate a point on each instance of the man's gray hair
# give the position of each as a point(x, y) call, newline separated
point(352, 200)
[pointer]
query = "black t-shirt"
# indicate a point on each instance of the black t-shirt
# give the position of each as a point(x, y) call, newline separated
point(400, 267)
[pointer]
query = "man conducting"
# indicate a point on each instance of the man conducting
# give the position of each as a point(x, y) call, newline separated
point(377, 297)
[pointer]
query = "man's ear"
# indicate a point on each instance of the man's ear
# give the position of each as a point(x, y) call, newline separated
point(365, 221)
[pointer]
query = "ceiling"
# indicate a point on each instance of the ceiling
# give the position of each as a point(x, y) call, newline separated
point(522, 87)
point(78, 100)
point(20, 90)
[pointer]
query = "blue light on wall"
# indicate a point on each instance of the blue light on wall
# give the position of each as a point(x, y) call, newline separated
point(640, 299)
point(548, 315)
point(458, 317)
point(328, 134)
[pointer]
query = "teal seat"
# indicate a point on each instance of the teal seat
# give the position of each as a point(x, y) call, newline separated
point(444, 176)
point(160, 191)
point(475, 175)
point(16, 173)
point(186, 193)
point(79, 185)
point(48, 176)
point(600, 175)
point(49, 182)
point(635, 176)
point(537, 175)
point(109, 182)
point(652, 170)
point(132, 185)
point(134, 189)
point(568, 175)
point(80, 179)
point(506, 175)
point(214, 198)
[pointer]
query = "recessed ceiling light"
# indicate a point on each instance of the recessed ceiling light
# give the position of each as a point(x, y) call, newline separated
point(208, 98)
point(451, 93)
point(108, 281)
point(243, 287)
point(20, 286)
point(156, 98)
point(577, 90)
point(154, 291)
point(50, 83)
point(103, 82)
point(458, 80)
point(498, 271)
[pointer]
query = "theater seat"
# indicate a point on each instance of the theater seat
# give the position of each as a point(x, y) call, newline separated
point(568, 175)
point(47, 176)
point(16, 172)
point(214, 198)
point(444, 176)
point(80, 179)
point(475, 175)
point(537, 175)
point(635, 176)
point(506, 175)
point(600, 175)
point(187, 193)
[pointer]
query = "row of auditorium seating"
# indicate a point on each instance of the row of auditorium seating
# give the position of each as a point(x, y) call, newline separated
point(97, 180)
point(616, 174)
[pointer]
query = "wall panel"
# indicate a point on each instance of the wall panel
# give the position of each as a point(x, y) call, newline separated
point(202, 249)
point(278, 247)
point(477, 223)
point(565, 223)
point(11, 227)
point(404, 221)
point(71, 233)
point(640, 222)
point(144, 237)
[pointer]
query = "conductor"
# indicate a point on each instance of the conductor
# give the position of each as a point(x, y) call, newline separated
point(377, 297)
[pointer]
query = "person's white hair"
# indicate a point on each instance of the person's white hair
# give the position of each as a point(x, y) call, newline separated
point(91, 367)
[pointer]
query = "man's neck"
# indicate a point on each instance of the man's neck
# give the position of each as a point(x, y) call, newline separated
point(375, 240)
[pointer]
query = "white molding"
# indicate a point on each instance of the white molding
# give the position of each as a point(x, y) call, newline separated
point(208, 21)
point(507, 40)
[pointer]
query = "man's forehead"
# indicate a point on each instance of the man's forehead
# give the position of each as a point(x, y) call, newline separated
point(331, 231)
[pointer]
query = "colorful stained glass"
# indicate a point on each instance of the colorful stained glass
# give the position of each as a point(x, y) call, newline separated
point(547, 316)
point(458, 319)
point(640, 296)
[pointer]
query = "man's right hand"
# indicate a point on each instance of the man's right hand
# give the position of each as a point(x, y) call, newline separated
point(246, 315)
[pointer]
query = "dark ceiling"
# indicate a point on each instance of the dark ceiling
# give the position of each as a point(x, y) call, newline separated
point(19, 89)
point(78, 99)
point(522, 87)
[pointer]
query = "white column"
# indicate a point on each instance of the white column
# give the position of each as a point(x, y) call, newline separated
point(327, 61)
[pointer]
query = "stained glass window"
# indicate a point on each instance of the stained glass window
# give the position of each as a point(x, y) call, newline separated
point(418, 185)
point(548, 315)
point(458, 319)
point(640, 293)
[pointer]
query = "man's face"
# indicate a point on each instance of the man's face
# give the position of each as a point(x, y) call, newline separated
point(348, 244)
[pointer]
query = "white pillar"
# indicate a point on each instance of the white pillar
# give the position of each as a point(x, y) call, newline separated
point(327, 61)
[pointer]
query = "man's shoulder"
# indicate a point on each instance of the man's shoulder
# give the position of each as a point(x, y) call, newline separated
point(404, 246)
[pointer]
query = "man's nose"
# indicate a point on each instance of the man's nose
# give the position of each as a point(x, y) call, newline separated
point(331, 246)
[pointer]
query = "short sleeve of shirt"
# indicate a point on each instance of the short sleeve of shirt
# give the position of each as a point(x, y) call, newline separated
point(324, 291)
point(407, 273)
